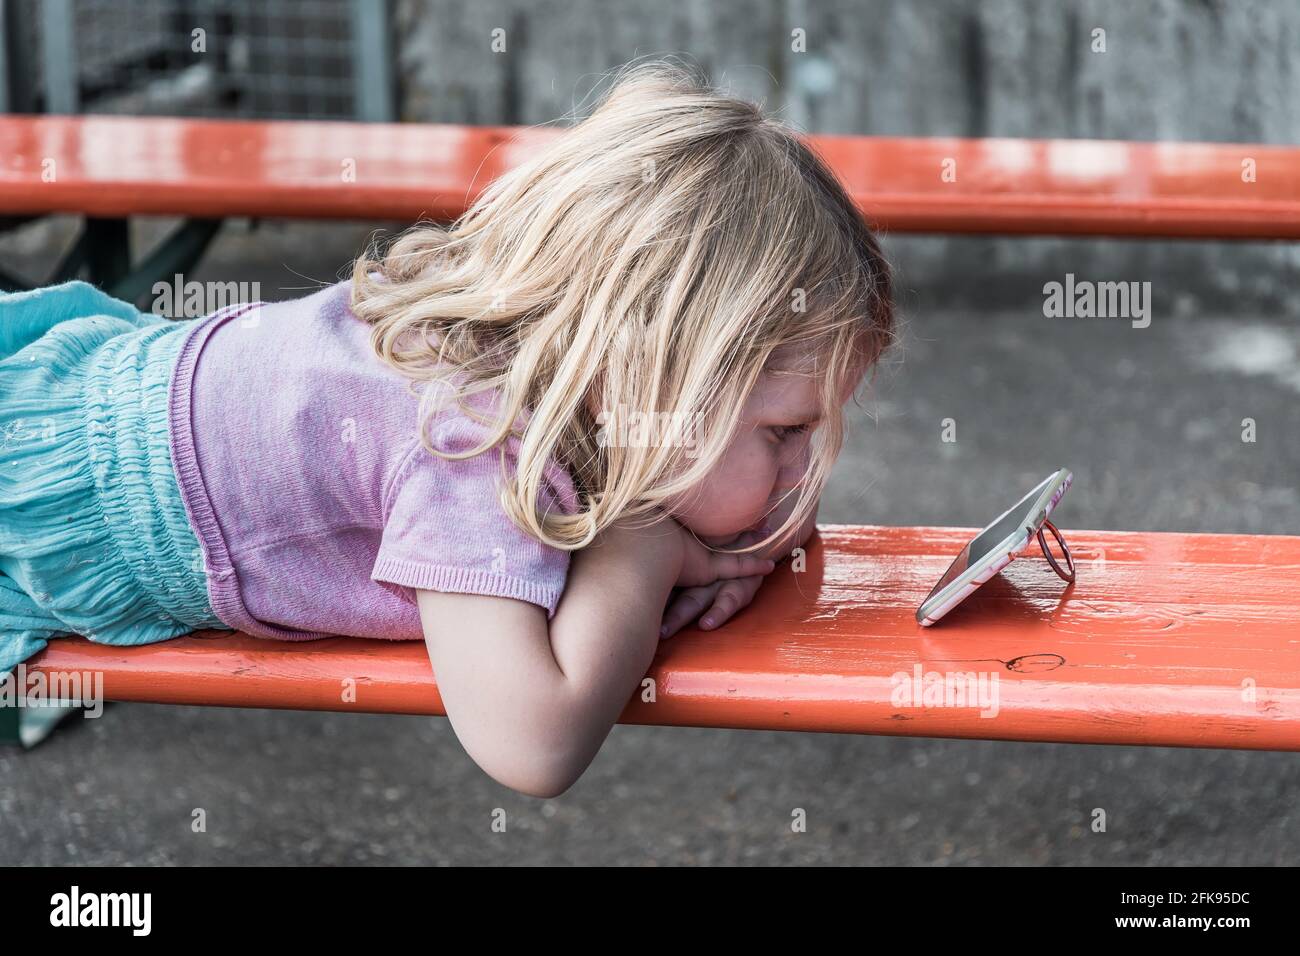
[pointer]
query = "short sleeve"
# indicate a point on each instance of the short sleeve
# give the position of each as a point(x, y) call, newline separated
point(444, 529)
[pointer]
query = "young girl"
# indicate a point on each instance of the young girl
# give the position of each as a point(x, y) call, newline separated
point(615, 383)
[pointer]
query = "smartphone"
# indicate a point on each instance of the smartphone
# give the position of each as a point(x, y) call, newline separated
point(994, 548)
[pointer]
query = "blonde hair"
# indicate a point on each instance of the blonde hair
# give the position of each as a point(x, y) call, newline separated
point(652, 257)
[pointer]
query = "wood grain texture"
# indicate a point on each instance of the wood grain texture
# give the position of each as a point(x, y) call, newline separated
point(124, 166)
point(1165, 639)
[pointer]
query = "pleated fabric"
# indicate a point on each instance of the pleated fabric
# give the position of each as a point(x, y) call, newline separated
point(94, 537)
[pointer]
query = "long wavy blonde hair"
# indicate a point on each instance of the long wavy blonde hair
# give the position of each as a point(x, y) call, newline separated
point(652, 257)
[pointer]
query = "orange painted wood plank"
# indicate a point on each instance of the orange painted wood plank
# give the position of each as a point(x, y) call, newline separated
point(120, 166)
point(1189, 640)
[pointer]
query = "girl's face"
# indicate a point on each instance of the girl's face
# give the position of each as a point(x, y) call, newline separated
point(764, 464)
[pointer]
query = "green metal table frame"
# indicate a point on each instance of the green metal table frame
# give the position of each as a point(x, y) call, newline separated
point(102, 253)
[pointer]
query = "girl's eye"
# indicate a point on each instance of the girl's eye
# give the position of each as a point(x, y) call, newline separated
point(785, 431)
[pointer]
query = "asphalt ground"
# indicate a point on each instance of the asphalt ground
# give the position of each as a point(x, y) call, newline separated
point(1149, 420)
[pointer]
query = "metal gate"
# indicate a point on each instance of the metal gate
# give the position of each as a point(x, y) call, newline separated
point(323, 59)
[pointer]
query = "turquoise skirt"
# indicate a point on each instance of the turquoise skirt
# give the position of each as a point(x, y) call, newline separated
point(94, 538)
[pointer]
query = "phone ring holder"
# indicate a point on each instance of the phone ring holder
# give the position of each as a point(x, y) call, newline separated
point(1065, 549)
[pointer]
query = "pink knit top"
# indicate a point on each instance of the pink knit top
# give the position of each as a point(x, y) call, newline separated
point(316, 508)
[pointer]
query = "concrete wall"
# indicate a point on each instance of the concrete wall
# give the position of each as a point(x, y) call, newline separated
point(1172, 70)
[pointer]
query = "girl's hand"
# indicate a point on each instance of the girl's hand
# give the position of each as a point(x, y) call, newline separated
point(702, 567)
point(722, 599)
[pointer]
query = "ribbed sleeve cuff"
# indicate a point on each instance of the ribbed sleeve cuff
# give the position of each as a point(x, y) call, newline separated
point(440, 577)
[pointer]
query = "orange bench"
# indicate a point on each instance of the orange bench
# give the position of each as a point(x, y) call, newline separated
point(114, 167)
point(109, 168)
point(1154, 649)
point(1189, 640)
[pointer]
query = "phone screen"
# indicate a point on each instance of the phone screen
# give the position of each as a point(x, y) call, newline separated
point(992, 536)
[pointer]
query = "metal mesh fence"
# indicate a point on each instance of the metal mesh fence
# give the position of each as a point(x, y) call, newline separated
point(20, 48)
point(216, 57)
point(219, 58)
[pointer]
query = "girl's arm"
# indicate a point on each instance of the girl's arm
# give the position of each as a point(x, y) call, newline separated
point(532, 703)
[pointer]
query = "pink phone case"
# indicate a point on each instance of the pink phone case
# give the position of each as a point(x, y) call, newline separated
point(1018, 544)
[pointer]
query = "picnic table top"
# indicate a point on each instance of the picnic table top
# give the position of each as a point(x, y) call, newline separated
point(117, 166)
point(1164, 639)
